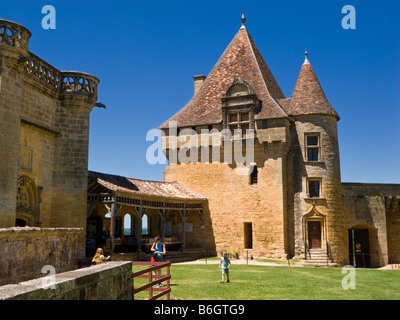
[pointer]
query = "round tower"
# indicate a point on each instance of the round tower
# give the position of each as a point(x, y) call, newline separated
point(316, 183)
point(14, 40)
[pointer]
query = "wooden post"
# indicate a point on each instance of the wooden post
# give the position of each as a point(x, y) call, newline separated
point(184, 214)
point(112, 229)
point(354, 249)
point(113, 211)
point(109, 211)
point(168, 281)
point(150, 281)
point(140, 212)
point(164, 214)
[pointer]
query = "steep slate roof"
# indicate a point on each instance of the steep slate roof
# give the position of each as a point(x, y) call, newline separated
point(170, 190)
point(308, 96)
point(240, 59)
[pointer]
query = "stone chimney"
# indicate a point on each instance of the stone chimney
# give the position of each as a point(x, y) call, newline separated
point(198, 81)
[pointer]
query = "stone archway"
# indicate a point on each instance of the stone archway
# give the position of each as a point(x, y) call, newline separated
point(28, 203)
point(364, 246)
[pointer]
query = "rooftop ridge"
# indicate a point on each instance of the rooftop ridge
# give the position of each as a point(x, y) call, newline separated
point(241, 58)
point(161, 189)
point(252, 46)
point(120, 176)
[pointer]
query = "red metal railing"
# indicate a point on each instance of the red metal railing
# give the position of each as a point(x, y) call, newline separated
point(153, 279)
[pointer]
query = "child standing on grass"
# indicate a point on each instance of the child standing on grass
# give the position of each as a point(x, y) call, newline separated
point(224, 265)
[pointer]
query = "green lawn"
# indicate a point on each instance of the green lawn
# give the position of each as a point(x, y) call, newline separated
point(201, 282)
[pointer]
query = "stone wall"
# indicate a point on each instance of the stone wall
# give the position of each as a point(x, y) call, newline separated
point(106, 281)
point(367, 206)
point(44, 130)
point(10, 93)
point(234, 202)
point(25, 251)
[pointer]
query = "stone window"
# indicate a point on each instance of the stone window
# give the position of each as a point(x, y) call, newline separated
point(314, 188)
point(239, 105)
point(264, 124)
point(254, 176)
point(313, 148)
point(248, 235)
point(239, 121)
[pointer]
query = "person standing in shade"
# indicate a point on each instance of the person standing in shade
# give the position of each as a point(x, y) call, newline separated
point(224, 265)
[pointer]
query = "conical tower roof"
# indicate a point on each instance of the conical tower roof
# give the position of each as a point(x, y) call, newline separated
point(308, 96)
point(240, 59)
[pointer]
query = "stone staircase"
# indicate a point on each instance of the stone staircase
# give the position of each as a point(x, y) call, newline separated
point(318, 258)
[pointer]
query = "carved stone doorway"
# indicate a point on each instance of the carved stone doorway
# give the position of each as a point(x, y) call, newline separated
point(28, 200)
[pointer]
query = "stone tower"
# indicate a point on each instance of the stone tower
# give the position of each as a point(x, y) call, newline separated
point(287, 199)
point(44, 130)
point(315, 183)
point(246, 199)
point(13, 52)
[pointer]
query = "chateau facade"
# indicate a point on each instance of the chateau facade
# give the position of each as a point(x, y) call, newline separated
point(291, 202)
point(249, 169)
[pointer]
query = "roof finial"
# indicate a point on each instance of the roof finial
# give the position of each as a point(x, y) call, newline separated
point(243, 20)
point(306, 59)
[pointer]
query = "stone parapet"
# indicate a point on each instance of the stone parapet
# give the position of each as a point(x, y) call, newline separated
point(14, 35)
point(107, 281)
point(15, 38)
point(25, 251)
point(78, 84)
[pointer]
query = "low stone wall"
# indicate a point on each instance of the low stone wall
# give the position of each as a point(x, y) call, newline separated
point(106, 281)
point(24, 252)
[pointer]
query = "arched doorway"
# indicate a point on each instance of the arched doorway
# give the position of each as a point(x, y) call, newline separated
point(360, 246)
point(129, 226)
point(145, 225)
point(27, 203)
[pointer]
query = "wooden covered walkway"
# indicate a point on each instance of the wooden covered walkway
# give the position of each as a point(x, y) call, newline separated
point(111, 197)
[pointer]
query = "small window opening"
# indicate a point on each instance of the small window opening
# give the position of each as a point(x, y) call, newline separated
point(314, 188)
point(248, 235)
point(254, 176)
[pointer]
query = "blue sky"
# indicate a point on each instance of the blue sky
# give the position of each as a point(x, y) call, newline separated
point(146, 52)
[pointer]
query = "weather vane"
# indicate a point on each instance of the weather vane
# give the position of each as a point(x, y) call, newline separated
point(243, 20)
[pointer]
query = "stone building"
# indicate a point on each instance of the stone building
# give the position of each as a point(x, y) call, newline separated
point(249, 169)
point(287, 199)
point(44, 130)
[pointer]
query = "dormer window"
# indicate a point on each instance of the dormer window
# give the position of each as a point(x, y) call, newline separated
point(239, 121)
point(239, 105)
